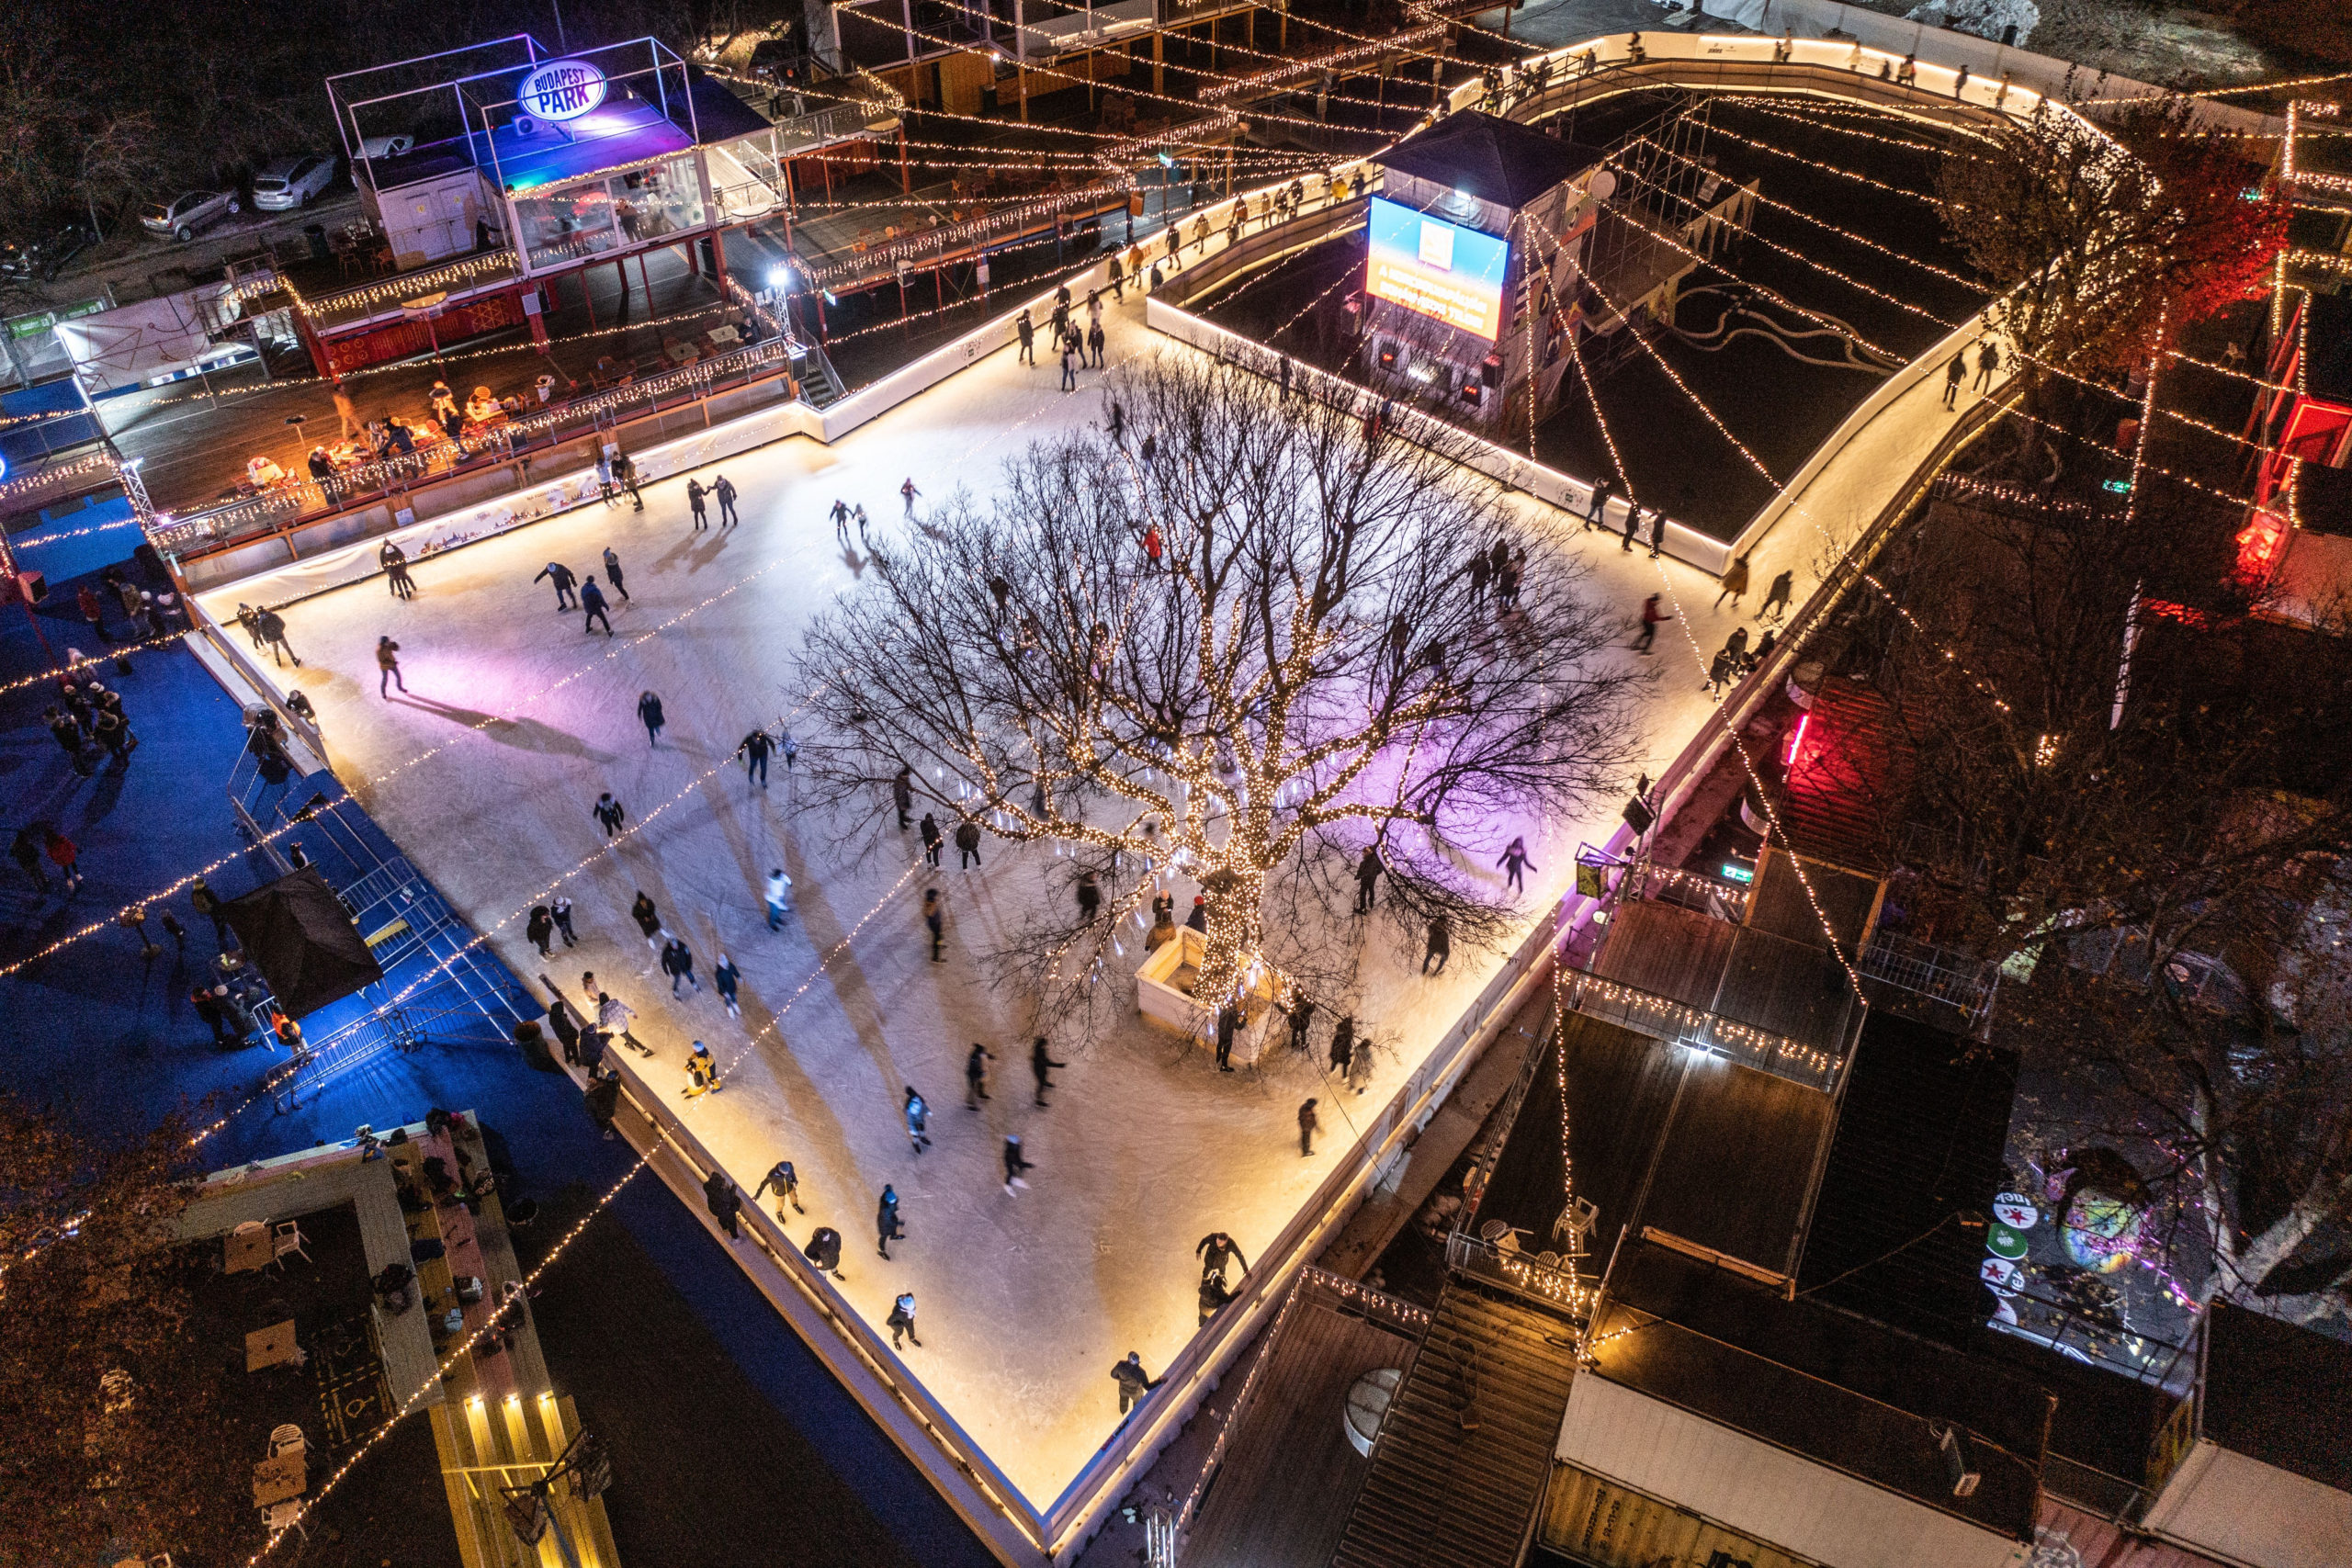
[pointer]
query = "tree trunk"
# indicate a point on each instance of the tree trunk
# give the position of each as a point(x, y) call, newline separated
point(1236, 937)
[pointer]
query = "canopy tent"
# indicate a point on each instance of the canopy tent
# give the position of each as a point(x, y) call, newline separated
point(297, 932)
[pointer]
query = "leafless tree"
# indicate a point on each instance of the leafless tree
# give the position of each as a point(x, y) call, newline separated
point(1307, 674)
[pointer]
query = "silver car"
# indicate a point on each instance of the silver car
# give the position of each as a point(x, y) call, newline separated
point(183, 216)
point(289, 183)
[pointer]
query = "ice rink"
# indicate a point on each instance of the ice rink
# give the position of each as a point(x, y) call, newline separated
point(1025, 1298)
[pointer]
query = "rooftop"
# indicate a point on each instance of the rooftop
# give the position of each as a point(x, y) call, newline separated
point(2277, 1393)
point(629, 128)
point(1493, 159)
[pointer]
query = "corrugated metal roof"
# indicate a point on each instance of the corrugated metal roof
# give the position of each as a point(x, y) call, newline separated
point(1462, 1462)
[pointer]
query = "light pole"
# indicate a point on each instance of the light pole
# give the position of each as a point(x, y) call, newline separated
point(560, 43)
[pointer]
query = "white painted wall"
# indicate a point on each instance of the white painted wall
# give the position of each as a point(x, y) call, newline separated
point(2246, 1511)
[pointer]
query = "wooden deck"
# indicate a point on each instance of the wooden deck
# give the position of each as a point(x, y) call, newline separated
point(1281, 1492)
point(1461, 1466)
point(1737, 1164)
point(1792, 989)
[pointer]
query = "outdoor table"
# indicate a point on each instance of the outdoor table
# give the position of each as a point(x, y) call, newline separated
point(243, 1254)
point(271, 1347)
point(276, 1480)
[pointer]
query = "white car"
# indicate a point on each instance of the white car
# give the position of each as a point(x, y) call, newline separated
point(180, 218)
point(291, 181)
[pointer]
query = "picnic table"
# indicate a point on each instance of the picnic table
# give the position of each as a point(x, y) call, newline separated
point(276, 1480)
point(271, 1347)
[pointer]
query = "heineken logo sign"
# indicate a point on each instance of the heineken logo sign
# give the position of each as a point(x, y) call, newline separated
point(561, 90)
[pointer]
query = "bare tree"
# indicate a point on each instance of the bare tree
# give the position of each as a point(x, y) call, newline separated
point(1308, 673)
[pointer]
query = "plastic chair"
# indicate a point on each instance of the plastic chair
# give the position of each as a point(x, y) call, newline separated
point(286, 1439)
point(279, 1517)
point(287, 1238)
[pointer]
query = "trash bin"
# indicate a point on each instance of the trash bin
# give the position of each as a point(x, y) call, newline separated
point(317, 234)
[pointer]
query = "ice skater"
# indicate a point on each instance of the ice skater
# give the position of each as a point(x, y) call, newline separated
point(931, 839)
point(649, 713)
point(1025, 331)
point(1651, 617)
point(1776, 598)
point(678, 963)
point(702, 1073)
point(613, 573)
point(695, 503)
point(1515, 863)
point(902, 798)
point(1228, 1024)
point(724, 489)
point(755, 748)
point(1308, 1127)
point(625, 472)
point(824, 1249)
point(540, 930)
point(935, 918)
point(1301, 1015)
point(1016, 1165)
point(724, 1203)
point(779, 896)
point(1215, 1250)
point(786, 1183)
point(396, 577)
point(1133, 1381)
point(887, 1225)
point(1988, 362)
point(917, 1112)
point(902, 1321)
point(976, 1075)
point(967, 845)
point(727, 978)
point(271, 626)
point(613, 1015)
point(1368, 870)
point(1441, 945)
point(591, 601)
point(649, 920)
point(908, 492)
point(841, 521)
point(1041, 1066)
point(562, 576)
point(387, 668)
point(605, 479)
point(1734, 583)
point(609, 812)
point(1343, 1045)
point(1954, 374)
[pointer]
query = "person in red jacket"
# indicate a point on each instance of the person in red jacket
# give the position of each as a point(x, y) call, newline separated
point(65, 852)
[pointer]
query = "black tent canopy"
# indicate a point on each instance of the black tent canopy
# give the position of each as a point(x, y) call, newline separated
point(297, 932)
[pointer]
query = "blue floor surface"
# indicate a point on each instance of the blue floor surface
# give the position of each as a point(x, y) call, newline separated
point(113, 1040)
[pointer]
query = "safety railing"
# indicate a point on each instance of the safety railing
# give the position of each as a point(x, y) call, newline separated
point(1680, 1024)
point(1543, 1278)
point(1961, 980)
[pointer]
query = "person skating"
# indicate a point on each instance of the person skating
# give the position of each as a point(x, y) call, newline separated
point(787, 1182)
point(1095, 342)
point(648, 919)
point(563, 578)
point(1026, 331)
point(702, 1072)
point(1041, 1066)
point(694, 503)
point(857, 515)
point(648, 714)
point(1657, 530)
point(778, 892)
point(902, 796)
point(840, 515)
point(1954, 374)
point(678, 963)
point(1214, 1295)
point(1089, 896)
point(917, 1112)
point(613, 573)
point(540, 930)
point(387, 668)
point(824, 1250)
point(625, 471)
point(1515, 862)
point(1308, 1127)
point(1014, 1164)
point(976, 1075)
point(1441, 945)
point(887, 1227)
point(1651, 617)
point(1215, 1250)
point(1719, 672)
point(1734, 583)
point(1343, 1045)
point(1228, 1024)
point(902, 1321)
point(724, 1203)
point(609, 812)
point(724, 489)
point(396, 578)
point(1368, 870)
point(727, 978)
point(908, 492)
point(1633, 526)
point(591, 601)
point(1133, 1381)
point(967, 845)
point(605, 479)
point(1776, 598)
point(755, 748)
point(1988, 362)
point(935, 918)
point(930, 838)
point(789, 747)
point(1153, 547)
point(1070, 369)
point(272, 626)
point(613, 1015)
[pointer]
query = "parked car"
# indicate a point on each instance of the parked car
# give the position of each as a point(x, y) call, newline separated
point(288, 183)
point(183, 216)
point(44, 259)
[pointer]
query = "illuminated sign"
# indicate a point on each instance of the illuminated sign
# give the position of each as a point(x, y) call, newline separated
point(1438, 269)
point(561, 90)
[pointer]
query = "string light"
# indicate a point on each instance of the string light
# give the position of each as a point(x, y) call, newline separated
point(1825, 167)
point(89, 660)
point(1315, 64)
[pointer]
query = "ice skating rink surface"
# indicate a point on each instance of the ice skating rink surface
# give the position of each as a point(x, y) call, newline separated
point(515, 720)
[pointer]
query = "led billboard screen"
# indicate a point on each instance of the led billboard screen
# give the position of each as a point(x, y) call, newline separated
point(1437, 268)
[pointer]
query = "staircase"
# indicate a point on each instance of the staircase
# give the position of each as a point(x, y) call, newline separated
point(1465, 1452)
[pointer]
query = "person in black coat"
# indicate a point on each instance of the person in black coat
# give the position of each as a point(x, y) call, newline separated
point(602, 1097)
point(1199, 919)
point(1041, 1066)
point(930, 838)
point(592, 600)
point(725, 1202)
point(824, 1249)
point(649, 713)
point(887, 1227)
point(902, 796)
point(1441, 945)
point(967, 845)
point(648, 919)
point(563, 578)
point(540, 927)
point(1368, 872)
point(1228, 1024)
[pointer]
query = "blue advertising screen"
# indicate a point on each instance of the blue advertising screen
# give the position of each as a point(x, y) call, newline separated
point(1437, 268)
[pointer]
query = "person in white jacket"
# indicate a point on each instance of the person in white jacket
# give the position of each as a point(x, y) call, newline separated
point(779, 890)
